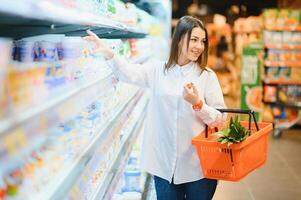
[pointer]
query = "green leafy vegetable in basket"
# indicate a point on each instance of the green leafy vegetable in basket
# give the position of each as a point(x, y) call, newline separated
point(235, 133)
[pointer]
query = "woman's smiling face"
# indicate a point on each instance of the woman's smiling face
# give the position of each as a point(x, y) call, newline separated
point(195, 48)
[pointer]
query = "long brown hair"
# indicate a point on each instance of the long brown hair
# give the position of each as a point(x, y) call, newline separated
point(185, 25)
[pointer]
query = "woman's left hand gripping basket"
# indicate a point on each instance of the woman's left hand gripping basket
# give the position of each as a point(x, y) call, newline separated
point(235, 161)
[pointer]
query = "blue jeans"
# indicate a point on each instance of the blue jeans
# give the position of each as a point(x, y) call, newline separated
point(203, 189)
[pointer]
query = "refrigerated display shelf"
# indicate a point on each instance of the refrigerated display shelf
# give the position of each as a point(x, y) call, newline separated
point(68, 98)
point(62, 187)
point(269, 63)
point(18, 135)
point(106, 187)
point(22, 19)
point(116, 175)
point(63, 181)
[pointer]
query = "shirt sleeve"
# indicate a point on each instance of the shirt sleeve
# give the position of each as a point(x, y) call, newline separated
point(213, 99)
point(137, 74)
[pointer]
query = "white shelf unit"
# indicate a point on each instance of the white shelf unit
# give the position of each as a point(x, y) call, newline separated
point(29, 18)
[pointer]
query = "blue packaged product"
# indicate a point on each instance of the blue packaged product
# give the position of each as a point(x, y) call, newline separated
point(48, 51)
point(131, 181)
point(26, 51)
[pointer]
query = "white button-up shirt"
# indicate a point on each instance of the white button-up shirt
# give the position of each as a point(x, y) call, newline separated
point(171, 123)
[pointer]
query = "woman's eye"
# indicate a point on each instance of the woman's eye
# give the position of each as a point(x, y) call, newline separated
point(193, 39)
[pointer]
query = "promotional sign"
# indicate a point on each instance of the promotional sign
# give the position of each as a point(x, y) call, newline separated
point(251, 87)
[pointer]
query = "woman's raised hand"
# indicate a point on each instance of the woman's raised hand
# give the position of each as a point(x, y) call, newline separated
point(99, 46)
point(191, 94)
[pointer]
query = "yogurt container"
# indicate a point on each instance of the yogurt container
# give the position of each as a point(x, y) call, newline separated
point(132, 181)
point(5, 55)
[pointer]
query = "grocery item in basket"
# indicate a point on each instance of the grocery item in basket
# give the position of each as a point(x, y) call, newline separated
point(232, 163)
point(234, 133)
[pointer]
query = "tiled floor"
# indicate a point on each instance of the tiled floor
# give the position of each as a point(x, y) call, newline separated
point(278, 179)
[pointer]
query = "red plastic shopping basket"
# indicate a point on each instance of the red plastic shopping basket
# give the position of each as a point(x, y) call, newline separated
point(232, 163)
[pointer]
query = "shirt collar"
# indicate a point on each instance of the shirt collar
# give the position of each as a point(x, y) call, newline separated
point(185, 69)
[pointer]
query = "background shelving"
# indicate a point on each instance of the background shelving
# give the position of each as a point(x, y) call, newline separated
point(282, 74)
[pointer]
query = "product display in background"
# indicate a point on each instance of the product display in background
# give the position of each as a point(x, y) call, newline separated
point(281, 19)
point(282, 72)
point(247, 31)
point(251, 87)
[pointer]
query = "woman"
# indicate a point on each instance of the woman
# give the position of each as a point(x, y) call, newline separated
point(184, 97)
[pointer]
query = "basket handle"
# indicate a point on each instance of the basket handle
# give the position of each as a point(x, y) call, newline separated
point(238, 111)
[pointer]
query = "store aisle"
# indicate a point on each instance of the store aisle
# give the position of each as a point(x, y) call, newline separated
point(278, 179)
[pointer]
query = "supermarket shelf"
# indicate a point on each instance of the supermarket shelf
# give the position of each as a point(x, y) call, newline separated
point(20, 133)
point(22, 19)
point(287, 28)
point(282, 82)
point(268, 63)
point(60, 104)
point(296, 106)
point(247, 32)
point(280, 125)
point(283, 46)
point(106, 188)
point(65, 180)
point(117, 174)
